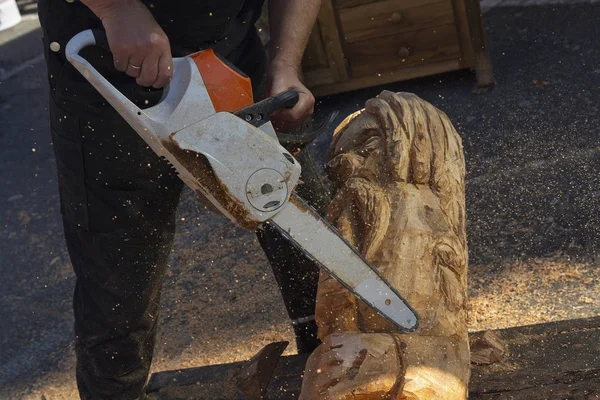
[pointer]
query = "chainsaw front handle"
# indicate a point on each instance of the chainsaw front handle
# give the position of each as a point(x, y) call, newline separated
point(260, 113)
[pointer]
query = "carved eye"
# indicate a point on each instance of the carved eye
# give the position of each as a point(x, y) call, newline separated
point(372, 143)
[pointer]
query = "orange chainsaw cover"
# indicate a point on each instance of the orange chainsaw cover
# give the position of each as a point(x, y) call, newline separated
point(227, 88)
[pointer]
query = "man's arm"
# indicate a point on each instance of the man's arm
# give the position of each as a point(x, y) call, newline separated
point(138, 44)
point(291, 22)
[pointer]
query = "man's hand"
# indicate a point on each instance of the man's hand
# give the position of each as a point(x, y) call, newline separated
point(138, 44)
point(281, 78)
point(290, 23)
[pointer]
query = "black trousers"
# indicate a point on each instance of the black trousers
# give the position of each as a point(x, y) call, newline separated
point(118, 201)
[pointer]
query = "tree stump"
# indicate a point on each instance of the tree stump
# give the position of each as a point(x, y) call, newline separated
point(398, 167)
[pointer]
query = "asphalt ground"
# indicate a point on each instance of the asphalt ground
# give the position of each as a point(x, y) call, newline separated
point(533, 163)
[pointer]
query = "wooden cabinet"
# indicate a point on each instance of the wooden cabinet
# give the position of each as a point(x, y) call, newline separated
point(362, 43)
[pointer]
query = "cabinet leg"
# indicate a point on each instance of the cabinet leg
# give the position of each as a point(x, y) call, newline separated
point(484, 73)
point(483, 64)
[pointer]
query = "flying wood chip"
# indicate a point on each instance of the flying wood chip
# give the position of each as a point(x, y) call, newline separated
point(540, 83)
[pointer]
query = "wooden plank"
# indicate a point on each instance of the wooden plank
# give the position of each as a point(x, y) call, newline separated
point(323, 62)
point(420, 47)
point(352, 3)
point(315, 56)
point(319, 77)
point(331, 39)
point(383, 78)
point(582, 386)
point(391, 17)
point(552, 361)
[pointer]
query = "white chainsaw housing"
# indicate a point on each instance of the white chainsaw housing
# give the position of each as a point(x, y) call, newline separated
point(251, 166)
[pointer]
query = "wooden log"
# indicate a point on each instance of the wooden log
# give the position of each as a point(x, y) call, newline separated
point(220, 382)
point(556, 360)
point(399, 170)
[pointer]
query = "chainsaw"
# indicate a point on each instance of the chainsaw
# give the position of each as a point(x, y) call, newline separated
point(224, 147)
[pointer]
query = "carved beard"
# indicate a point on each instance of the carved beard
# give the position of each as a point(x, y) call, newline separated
point(360, 204)
point(363, 208)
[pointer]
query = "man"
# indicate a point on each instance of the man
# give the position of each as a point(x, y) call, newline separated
point(118, 198)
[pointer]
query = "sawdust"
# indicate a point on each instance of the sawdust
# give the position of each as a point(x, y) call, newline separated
point(530, 291)
point(220, 302)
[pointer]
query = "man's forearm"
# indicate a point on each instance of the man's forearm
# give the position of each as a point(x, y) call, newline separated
point(291, 22)
point(102, 7)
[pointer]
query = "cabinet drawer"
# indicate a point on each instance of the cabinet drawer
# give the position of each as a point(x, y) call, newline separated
point(423, 46)
point(390, 17)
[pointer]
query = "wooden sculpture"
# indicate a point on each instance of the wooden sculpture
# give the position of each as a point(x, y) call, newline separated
point(398, 166)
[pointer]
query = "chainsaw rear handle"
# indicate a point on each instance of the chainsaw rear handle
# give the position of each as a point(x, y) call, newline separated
point(265, 108)
point(101, 39)
point(167, 113)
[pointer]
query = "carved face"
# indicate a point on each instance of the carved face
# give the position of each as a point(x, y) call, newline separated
point(358, 142)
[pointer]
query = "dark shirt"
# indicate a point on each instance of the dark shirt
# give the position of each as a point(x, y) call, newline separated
point(222, 22)
point(194, 24)
point(191, 25)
